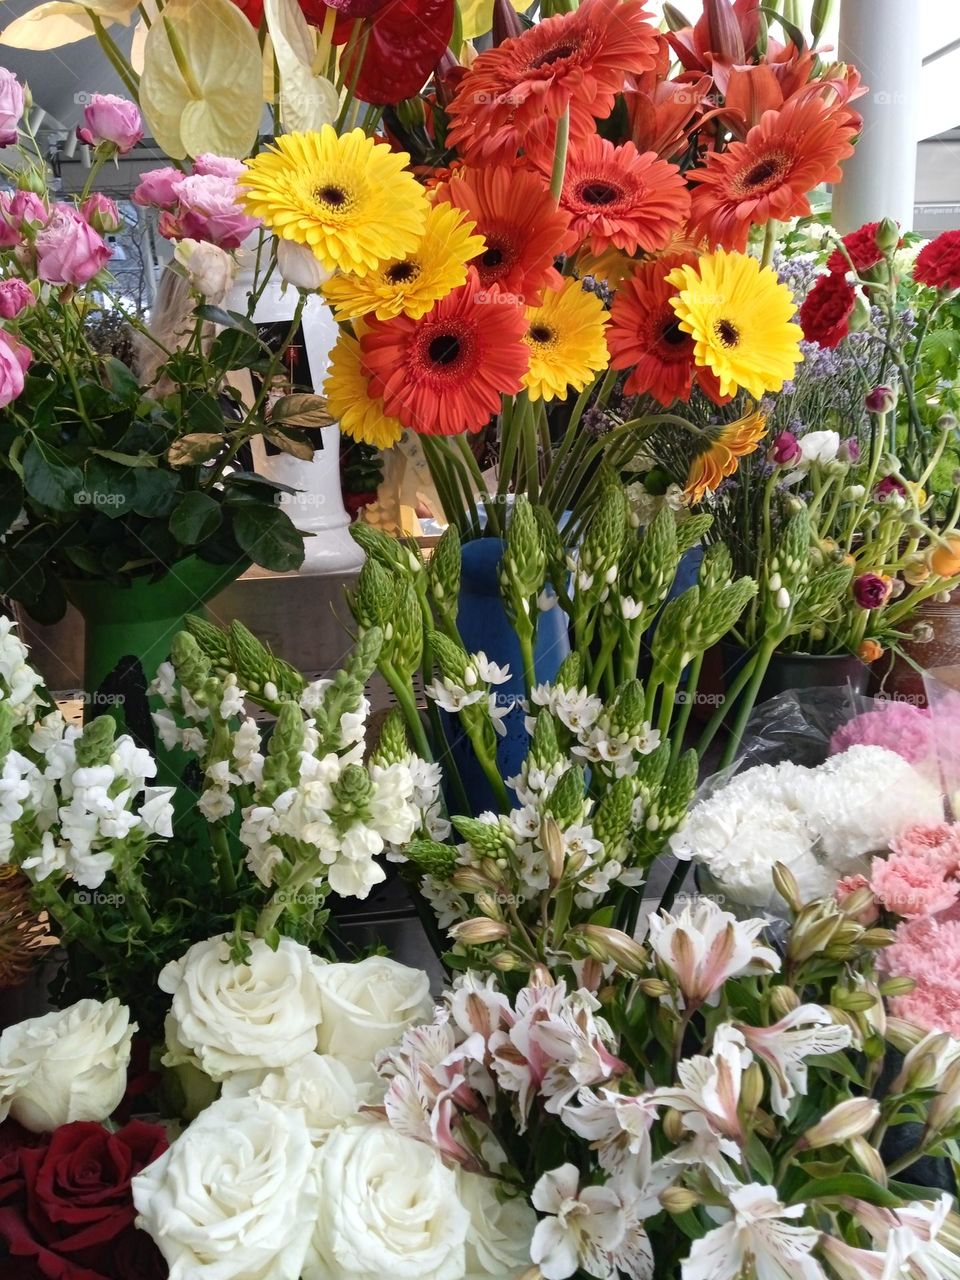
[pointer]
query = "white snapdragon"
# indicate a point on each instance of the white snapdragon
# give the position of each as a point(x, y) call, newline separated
point(18, 680)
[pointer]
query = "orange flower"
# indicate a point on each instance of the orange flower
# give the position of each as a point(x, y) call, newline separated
point(524, 231)
point(445, 373)
point(870, 651)
point(576, 60)
point(944, 559)
point(724, 447)
point(618, 196)
point(769, 174)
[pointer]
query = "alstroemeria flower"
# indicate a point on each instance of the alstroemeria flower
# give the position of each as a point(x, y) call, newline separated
point(708, 1094)
point(804, 1033)
point(705, 946)
point(582, 1226)
point(756, 1239)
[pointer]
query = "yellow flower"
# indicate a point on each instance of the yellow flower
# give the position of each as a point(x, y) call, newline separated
point(477, 16)
point(739, 316)
point(360, 415)
point(723, 447)
point(612, 266)
point(566, 341)
point(412, 284)
point(352, 200)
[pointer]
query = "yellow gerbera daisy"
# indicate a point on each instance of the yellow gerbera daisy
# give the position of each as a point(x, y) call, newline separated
point(739, 316)
point(360, 415)
point(412, 284)
point(352, 200)
point(566, 341)
point(723, 447)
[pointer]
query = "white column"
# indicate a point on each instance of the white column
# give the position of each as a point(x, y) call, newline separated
point(882, 39)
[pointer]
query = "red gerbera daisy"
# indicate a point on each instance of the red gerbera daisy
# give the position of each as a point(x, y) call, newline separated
point(514, 212)
point(938, 263)
point(618, 196)
point(769, 174)
point(826, 311)
point(445, 373)
point(576, 60)
point(863, 250)
point(644, 334)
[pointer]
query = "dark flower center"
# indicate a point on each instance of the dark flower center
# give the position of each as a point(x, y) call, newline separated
point(672, 334)
point(444, 349)
point(402, 272)
point(540, 333)
point(599, 193)
point(492, 257)
point(333, 196)
point(556, 54)
point(766, 172)
point(727, 332)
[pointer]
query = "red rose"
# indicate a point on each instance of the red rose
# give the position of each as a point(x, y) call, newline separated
point(938, 263)
point(826, 311)
point(66, 1208)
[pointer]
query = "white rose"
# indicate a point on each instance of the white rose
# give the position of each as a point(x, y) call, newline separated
point(319, 1086)
point(500, 1231)
point(367, 1006)
point(299, 265)
point(388, 1208)
point(235, 1197)
point(210, 269)
point(243, 1017)
point(819, 446)
point(65, 1066)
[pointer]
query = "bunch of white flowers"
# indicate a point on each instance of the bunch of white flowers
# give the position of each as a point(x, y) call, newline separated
point(820, 822)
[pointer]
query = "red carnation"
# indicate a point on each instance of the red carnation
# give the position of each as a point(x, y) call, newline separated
point(863, 249)
point(826, 312)
point(938, 263)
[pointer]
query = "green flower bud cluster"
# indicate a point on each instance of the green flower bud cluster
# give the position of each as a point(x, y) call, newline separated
point(190, 663)
point(787, 571)
point(602, 548)
point(693, 530)
point(95, 744)
point(570, 674)
point(651, 770)
point(696, 620)
point(524, 565)
point(487, 839)
point(443, 575)
point(612, 819)
point(344, 694)
point(352, 792)
point(394, 554)
point(237, 651)
point(650, 564)
point(281, 766)
point(387, 599)
point(439, 861)
point(374, 599)
point(668, 806)
point(566, 802)
point(392, 747)
point(626, 716)
point(544, 748)
point(452, 659)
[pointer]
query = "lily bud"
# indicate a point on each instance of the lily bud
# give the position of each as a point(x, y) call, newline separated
point(673, 1129)
point(656, 988)
point(469, 880)
point(487, 904)
point(894, 987)
point(869, 1159)
point(478, 931)
point(505, 962)
point(751, 1088)
point(945, 1108)
point(785, 883)
point(876, 938)
point(677, 1200)
point(849, 1119)
point(551, 839)
point(612, 944)
point(783, 1000)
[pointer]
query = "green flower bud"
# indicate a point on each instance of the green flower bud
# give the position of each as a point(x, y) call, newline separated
point(544, 748)
point(483, 837)
point(256, 667)
point(392, 747)
point(651, 571)
point(570, 675)
point(651, 770)
point(716, 568)
point(452, 658)
point(405, 647)
point(523, 568)
point(394, 555)
point(603, 544)
point(668, 807)
point(611, 821)
point(281, 768)
point(352, 793)
point(95, 744)
point(444, 572)
point(565, 802)
point(690, 531)
point(432, 858)
point(888, 235)
point(213, 641)
point(628, 713)
point(190, 663)
point(374, 601)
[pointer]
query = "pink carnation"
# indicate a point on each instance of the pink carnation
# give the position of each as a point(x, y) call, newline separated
point(939, 844)
point(929, 952)
point(898, 726)
point(849, 885)
point(912, 886)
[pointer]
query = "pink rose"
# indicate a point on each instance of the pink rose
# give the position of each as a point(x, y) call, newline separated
point(112, 120)
point(68, 250)
point(22, 212)
point(11, 106)
point(785, 448)
point(11, 372)
point(101, 213)
point(208, 209)
point(15, 296)
point(157, 188)
point(207, 165)
point(20, 349)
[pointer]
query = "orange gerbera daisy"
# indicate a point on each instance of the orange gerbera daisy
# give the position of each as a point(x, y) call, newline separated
point(645, 334)
point(524, 231)
point(617, 197)
point(769, 174)
point(723, 448)
point(445, 373)
point(576, 60)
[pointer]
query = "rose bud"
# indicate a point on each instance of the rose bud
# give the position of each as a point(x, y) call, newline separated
point(785, 449)
point(872, 590)
point(11, 107)
point(15, 296)
point(881, 400)
point(111, 121)
point(101, 213)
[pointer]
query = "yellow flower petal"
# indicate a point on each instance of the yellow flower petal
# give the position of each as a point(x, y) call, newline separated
point(306, 101)
point(360, 416)
point(203, 95)
point(565, 334)
point(477, 16)
point(50, 26)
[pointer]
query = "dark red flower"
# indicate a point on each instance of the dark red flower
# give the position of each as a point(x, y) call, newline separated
point(825, 314)
point(253, 10)
point(862, 247)
point(872, 590)
point(400, 44)
point(66, 1207)
point(938, 263)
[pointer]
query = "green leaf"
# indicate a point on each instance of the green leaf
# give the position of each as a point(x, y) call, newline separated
point(126, 459)
point(857, 1185)
point(157, 492)
point(11, 499)
point(269, 537)
point(203, 412)
point(302, 410)
point(227, 319)
point(236, 349)
point(195, 518)
point(760, 1159)
point(191, 450)
point(296, 445)
point(109, 490)
point(49, 478)
point(122, 382)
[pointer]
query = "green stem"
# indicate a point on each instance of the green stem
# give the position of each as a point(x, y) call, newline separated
point(560, 155)
point(130, 79)
point(403, 692)
point(226, 872)
point(746, 705)
point(740, 682)
point(769, 242)
point(680, 728)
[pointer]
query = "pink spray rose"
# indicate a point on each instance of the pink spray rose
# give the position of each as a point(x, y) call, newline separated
point(11, 372)
point(20, 213)
point(11, 106)
point(207, 165)
point(68, 250)
point(110, 119)
point(15, 296)
point(101, 213)
point(785, 448)
point(208, 209)
point(157, 188)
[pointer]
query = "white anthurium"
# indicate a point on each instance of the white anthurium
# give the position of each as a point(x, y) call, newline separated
point(203, 95)
point(50, 26)
point(307, 101)
point(138, 48)
point(805, 1032)
point(757, 1240)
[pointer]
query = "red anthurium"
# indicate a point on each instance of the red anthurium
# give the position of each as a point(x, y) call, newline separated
point(347, 8)
point(253, 10)
point(402, 43)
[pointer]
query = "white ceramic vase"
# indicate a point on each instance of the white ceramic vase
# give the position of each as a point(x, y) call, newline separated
point(316, 508)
